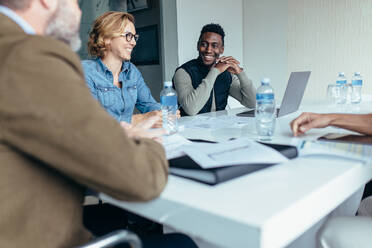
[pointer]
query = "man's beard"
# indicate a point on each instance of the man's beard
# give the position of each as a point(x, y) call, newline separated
point(64, 26)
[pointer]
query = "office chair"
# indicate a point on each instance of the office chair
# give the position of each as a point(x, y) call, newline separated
point(115, 238)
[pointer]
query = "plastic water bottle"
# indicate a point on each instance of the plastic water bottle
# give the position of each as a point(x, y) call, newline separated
point(356, 82)
point(168, 100)
point(342, 88)
point(265, 112)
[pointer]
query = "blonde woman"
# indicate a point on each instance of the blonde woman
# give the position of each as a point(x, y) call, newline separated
point(112, 79)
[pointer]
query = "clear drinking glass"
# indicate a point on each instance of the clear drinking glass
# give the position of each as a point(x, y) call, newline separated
point(333, 93)
point(337, 93)
point(348, 88)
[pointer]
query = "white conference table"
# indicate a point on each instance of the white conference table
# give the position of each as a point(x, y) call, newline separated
point(281, 206)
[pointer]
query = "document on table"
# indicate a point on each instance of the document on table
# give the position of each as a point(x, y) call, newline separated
point(355, 151)
point(173, 145)
point(234, 152)
point(206, 122)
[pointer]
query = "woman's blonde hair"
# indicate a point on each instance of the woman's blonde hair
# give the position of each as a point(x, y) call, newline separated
point(109, 25)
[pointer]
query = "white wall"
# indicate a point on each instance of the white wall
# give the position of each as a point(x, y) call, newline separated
point(265, 42)
point(327, 37)
point(192, 15)
point(324, 36)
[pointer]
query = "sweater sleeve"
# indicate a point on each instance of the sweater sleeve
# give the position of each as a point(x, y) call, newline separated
point(193, 100)
point(243, 90)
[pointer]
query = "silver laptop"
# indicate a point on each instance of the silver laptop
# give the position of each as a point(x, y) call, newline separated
point(292, 97)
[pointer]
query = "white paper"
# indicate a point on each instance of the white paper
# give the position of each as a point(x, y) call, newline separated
point(207, 122)
point(339, 149)
point(173, 145)
point(235, 152)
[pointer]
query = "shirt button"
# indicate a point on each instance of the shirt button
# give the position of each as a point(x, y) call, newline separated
point(106, 89)
point(135, 87)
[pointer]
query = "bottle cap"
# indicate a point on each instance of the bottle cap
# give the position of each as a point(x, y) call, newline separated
point(265, 81)
point(341, 74)
point(168, 84)
point(357, 73)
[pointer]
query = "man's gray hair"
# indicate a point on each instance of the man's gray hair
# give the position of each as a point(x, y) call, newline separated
point(16, 4)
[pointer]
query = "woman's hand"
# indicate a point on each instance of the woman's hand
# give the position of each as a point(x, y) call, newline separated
point(138, 118)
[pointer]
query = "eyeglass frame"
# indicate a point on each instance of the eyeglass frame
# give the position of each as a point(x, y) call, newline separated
point(131, 35)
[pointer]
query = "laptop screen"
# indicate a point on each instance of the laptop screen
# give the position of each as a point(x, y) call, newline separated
point(294, 92)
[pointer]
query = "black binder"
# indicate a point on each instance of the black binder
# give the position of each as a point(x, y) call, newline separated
point(187, 168)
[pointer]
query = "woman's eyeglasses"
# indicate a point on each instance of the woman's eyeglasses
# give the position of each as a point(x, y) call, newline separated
point(129, 36)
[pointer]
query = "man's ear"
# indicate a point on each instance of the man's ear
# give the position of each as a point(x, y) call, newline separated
point(222, 49)
point(51, 5)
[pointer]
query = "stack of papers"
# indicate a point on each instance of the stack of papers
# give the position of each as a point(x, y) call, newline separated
point(173, 145)
point(234, 152)
point(361, 152)
point(213, 155)
point(206, 122)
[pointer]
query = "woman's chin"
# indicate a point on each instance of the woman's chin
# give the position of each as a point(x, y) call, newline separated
point(126, 58)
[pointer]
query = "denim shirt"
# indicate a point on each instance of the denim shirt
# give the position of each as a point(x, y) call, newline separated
point(119, 102)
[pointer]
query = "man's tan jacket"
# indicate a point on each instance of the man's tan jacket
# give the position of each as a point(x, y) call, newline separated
point(55, 140)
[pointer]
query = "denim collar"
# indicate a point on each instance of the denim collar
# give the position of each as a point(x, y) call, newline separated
point(124, 68)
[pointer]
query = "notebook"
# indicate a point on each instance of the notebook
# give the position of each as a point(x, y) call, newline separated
point(185, 167)
point(292, 97)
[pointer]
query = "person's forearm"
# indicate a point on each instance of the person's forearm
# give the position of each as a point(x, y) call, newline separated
point(192, 100)
point(243, 90)
point(354, 122)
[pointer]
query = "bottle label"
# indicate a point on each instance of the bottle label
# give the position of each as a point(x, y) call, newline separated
point(341, 82)
point(357, 82)
point(264, 96)
point(168, 100)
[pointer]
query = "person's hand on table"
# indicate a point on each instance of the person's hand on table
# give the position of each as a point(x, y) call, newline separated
point(307, 121)
point(138, 118)
point(141, 129)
